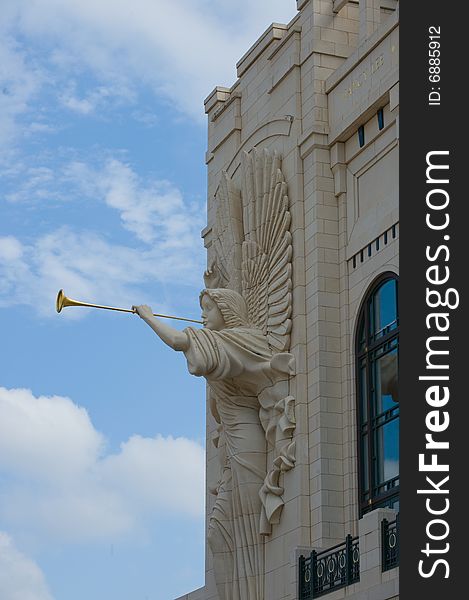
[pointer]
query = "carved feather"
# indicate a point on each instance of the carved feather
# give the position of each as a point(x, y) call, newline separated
point(267, 250)
point(228, 236)
point(252, 244)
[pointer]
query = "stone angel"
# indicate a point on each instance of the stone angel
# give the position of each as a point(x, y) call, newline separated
point(242, 351)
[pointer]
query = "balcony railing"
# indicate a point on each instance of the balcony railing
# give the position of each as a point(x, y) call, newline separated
point(390, 543)
point(326, 571)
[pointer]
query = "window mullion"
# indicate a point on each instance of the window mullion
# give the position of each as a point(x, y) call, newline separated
point(370, 372)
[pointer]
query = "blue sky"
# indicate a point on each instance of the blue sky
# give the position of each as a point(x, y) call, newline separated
point(102, 193)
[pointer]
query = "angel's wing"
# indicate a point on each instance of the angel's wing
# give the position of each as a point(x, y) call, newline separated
point(267, 251)
point(252, 253)
point(228, 236)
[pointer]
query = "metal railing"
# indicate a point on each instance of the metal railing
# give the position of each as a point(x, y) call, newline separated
point(390, 543)
point(328, 570)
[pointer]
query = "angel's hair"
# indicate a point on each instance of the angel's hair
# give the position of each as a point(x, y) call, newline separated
point(231, 304)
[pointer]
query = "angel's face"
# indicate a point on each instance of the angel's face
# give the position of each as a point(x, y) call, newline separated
point(211, 314)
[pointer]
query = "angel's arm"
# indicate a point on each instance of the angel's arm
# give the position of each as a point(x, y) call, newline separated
point(175, 339)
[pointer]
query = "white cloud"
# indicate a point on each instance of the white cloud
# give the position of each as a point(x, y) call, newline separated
point(153, 212)
point(63, 484)
point(20, 577)
point(19, 83)
point(83, 106)
point(11, 249)
point(89, 265)
point(37, 127)
point(13, 269)
point(146, 117)
point(34, 183)
point(94, 98)
point(47, 437)
point(180, 49)
point(159, 473)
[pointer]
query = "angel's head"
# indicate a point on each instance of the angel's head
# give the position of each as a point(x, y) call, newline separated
point(223, 309)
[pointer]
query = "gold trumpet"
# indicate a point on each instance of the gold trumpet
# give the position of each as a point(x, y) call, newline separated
point(63, 301)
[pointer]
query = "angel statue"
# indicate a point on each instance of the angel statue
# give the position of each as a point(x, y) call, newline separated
point(242, 353)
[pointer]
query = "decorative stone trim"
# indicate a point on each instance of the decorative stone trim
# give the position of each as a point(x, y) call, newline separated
point(234, 96)
point(275, 127)
point(374, 247)
point(219, 94)
point(301, 3)
point(315, 137)
point(361, 52)
point(294, 30)
point(275, 32)
point(339, 5)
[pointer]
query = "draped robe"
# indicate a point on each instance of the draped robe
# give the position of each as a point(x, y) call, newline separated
point(236, 365)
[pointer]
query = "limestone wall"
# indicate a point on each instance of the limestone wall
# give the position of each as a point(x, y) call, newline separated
point(303, 89)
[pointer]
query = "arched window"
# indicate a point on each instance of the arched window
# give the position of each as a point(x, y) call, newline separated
point(377, 347)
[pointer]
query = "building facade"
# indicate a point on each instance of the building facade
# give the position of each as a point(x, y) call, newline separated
point(323, 92)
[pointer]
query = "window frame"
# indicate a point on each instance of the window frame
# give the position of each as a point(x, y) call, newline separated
point(380, 499)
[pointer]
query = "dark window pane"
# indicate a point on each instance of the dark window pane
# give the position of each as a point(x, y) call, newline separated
point(385, 382)
point(361, 336)
point(387, 452)
point(377, 397)
point(383, 309)
point(361, 136)
point(380, 119)
point(365, 474)
point(363, 387)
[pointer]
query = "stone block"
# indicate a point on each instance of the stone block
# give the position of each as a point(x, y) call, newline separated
point(336, 36)
point(383, 591)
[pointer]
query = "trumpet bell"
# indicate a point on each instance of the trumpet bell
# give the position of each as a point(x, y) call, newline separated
point(63, 301)
point(59, 303)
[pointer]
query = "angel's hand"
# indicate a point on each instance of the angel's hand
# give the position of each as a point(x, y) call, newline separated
point(212, 275)
point(143, 311)
point(175, 339)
